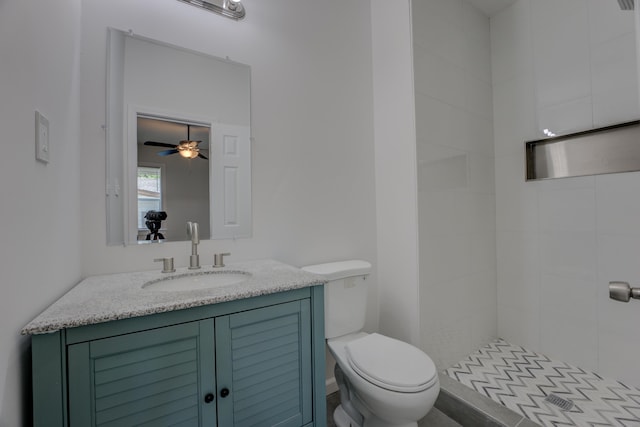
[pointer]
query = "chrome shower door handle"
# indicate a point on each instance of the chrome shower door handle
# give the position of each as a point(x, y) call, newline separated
point(622, 291)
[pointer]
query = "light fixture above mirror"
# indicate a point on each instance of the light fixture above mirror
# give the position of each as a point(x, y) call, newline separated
point(230, 8)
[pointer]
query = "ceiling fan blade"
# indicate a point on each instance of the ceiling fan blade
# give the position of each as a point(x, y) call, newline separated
point(160, 144)
point(167, 152)
point(202, 156)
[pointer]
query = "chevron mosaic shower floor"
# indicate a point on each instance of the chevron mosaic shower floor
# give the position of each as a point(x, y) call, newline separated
point(548, 392)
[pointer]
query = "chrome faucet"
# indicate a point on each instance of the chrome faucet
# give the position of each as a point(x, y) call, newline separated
point(194, 235)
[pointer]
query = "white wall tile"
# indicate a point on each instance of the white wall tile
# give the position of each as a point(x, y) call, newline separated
point(446, 342)
point(566, 184)
point(475, 26)
point(484, 325)
point(569, 254)
point(511, 42)
point(477, 95)
point(430, 151)
point(449, 10)
point(456, 198)
point(614, 72)
point(444, 258)
point(439, 36)
point(574, 115)
point(567, 210)
point(516, 200)
point(436, 122)
point(618, 204)
point(516, 210)
point(572, 298)
point(444, 173)
point(520, 325)
point(618, 350)
point(618, 256)
point(514, 114)
point(434, 295)
point(438, 78)
point(481, 212)
point(561, 51)
point(482, 175)
point(517, 269)
point(607, 21)
point(564, 339)
point(478, 59)
point(618, 321)
point(483, 253)
point(554, 265)
point(475, 133)
point(442, 213)
point(480, 290)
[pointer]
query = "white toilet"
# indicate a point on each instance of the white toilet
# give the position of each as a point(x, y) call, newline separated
point(383, 382)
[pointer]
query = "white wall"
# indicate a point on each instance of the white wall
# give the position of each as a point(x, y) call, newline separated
point(312, 121)
point(313, 190)
point(395, 170)
point(565, 66)
point(312, 127)
point(40, 209)
point(458, 296)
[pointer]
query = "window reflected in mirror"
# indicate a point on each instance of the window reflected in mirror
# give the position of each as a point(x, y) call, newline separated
point(149, 192)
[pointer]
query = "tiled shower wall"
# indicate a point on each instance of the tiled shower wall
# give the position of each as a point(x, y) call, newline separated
point(565, 65)
point(453, 96)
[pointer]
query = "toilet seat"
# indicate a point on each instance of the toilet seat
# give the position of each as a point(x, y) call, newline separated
point(391, 364)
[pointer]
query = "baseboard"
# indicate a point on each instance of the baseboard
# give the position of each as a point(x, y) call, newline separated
point(331, 385)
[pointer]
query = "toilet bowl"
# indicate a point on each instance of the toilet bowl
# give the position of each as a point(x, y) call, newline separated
point(391, 383)
point(383, 382)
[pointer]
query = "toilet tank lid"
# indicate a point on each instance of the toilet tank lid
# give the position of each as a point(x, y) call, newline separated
point(341, 269)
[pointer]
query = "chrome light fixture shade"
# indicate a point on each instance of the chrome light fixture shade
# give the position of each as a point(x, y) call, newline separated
point(230, 8)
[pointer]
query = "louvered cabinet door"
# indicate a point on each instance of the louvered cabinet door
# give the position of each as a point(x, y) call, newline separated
point(263, 364)
point(154, 378)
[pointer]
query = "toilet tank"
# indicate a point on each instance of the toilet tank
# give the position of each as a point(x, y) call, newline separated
point(345, 295)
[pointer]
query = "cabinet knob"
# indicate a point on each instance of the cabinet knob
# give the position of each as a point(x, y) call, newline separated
point(208, 398)
point(224, 392)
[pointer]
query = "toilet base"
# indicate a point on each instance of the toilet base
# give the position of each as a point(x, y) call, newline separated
point(381, 423)
point(342, 419)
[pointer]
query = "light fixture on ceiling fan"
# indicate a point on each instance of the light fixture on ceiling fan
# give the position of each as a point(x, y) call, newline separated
point(187, 148)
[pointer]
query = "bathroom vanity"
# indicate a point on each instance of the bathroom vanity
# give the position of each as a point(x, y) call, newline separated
point(118, 350)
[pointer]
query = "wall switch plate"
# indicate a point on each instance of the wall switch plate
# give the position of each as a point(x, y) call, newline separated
point(42, 138)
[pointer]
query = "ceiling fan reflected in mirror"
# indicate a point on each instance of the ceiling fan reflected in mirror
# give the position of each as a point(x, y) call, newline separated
point(186, 148)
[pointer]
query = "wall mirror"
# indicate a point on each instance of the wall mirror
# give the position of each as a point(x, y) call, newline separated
point(178, 141)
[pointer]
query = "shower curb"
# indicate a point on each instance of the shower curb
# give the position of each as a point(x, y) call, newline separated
point(470, 408)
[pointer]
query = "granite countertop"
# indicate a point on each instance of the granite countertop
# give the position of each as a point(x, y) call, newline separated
point(109, 297)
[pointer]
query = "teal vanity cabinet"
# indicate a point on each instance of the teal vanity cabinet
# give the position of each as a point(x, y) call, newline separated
point(250, 362)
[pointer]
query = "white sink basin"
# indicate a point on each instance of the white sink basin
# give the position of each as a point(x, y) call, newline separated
point(195, 281)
